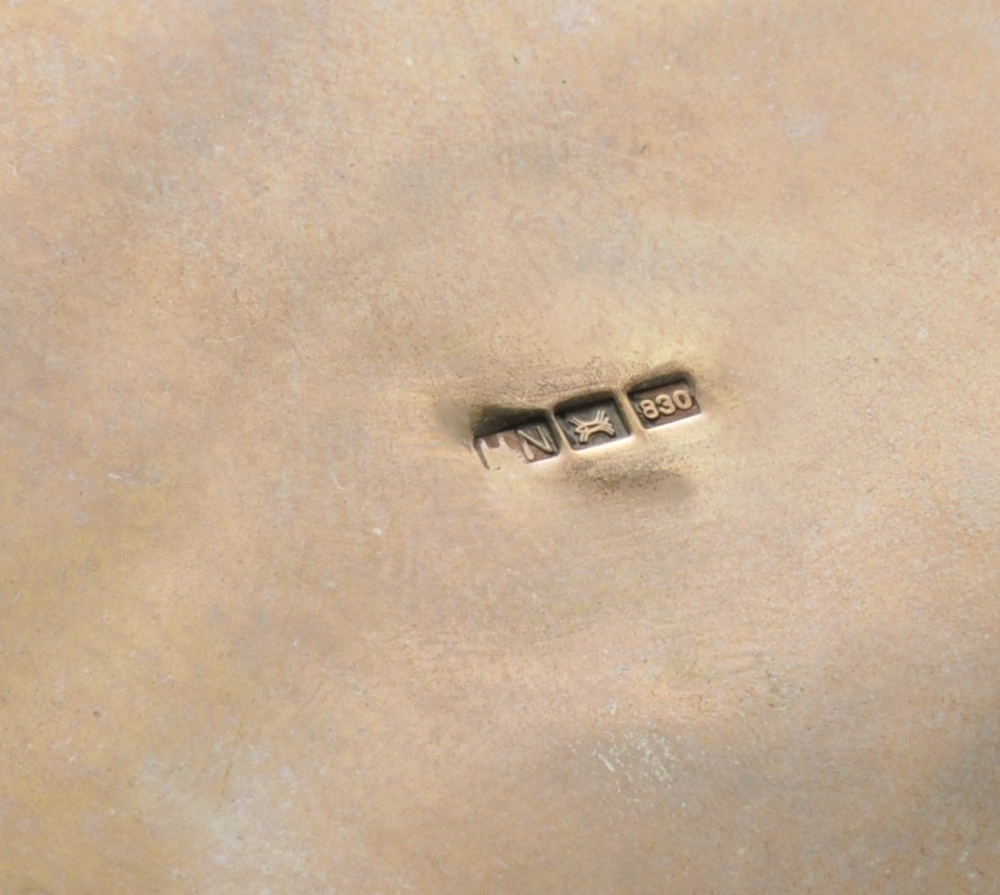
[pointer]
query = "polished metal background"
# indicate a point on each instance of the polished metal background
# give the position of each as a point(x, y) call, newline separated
point(269, 626)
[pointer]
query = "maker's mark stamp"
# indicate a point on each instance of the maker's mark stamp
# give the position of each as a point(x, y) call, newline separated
point(527, 443)
point(664, 403)
point(600, 425)
point(588, 425)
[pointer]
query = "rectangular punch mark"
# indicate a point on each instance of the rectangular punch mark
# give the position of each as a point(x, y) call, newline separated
point(529, 442)
point(593, 423)
point(664, 404)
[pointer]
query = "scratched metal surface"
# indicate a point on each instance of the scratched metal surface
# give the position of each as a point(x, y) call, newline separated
point(267, 623)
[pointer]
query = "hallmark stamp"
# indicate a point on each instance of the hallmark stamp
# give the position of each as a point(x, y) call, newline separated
point(585, 422)
point(592, 424)
point(527, 443)
point(664, 404)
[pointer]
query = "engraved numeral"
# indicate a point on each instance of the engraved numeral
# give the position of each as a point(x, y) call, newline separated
point(658, 406)
point(648, 409)
point(665, 405)
point(683, 399)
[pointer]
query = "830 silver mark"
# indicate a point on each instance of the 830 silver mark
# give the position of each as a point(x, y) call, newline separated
point(664, 404)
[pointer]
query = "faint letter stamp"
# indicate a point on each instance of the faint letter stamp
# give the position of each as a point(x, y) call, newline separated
point(527, 443)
